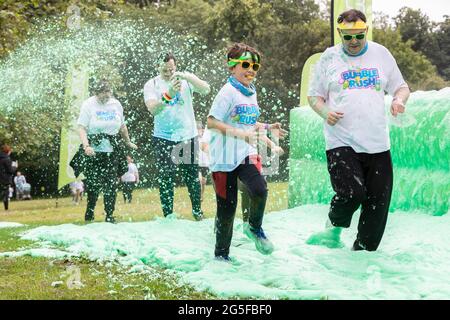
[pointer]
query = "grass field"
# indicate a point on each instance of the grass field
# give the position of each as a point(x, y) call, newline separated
point(32, 278)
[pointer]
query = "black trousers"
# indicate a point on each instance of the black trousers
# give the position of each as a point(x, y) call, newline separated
point(168, 167)
point(225, 185)
point(101, 176)
point(361, 179)
point(127, 189)
point(4, 192)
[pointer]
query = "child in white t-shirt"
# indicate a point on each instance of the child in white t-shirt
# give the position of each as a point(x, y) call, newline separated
point(233, 123)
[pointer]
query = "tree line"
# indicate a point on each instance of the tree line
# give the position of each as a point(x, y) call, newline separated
point(287, 32)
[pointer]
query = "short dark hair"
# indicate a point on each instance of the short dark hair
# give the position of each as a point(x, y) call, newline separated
point(238, 49)
point(166, 57)
point(351, 15)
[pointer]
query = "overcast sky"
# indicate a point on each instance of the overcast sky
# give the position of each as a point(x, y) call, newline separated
point(435, 9)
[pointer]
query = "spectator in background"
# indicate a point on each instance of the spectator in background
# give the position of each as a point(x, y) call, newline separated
point(76, 189)
point(129, 180)
point(6, 172)
point(19, 182)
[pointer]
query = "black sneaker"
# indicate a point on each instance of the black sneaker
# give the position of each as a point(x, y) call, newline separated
point(223, 259)
point(110, 219)
point(198, 216)
point(89, 218)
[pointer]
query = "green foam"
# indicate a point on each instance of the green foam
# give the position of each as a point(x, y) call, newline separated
point(420, 153)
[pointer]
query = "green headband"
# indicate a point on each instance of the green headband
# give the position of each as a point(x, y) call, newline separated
point(245, 56)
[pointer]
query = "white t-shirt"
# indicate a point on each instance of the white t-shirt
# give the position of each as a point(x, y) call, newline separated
point(231, 107)
point(131, 174)
point(173, 123)
point(101, 118)
point(203, 157)
point(356, 86)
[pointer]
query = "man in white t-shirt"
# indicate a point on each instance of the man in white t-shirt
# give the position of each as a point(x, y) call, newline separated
point(347, 91)
point(168, 97)
point(129, 180)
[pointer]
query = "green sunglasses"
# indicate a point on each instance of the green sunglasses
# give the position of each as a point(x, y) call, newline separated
point(359, 36)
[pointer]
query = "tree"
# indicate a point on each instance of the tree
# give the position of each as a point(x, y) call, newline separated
point(427, 37)
point(415, 67)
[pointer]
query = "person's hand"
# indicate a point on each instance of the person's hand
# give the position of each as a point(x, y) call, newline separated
point(89, 151)
point(132, 145)
point(333, 117)
point(251, 137)
point(278, 150)
point(397, 107)
point(175, 87)
point(277, 131)
point(180, 75)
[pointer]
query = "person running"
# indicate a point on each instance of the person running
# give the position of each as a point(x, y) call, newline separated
point(347, 91)
point(233, 121)
point(169, 98)
point(129, 180)
point(101, 156)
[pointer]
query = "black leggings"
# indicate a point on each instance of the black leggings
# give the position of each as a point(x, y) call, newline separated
point(101, 175)
point(361, 179)
point(225, 184)
point(4, 195)
point(127, 189)
point(167, 168)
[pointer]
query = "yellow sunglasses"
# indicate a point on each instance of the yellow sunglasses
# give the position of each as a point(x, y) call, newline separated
point(245, 64)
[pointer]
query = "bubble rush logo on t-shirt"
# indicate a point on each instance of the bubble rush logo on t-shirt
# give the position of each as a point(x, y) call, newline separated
point(106, 115)
point(361, 79)
point(246, 114)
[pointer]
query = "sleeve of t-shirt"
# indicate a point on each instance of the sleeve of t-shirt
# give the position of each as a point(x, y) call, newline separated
point(221, 106)
point(317, 85)
point(395, 79)
point(150, 91)
point(83, 118)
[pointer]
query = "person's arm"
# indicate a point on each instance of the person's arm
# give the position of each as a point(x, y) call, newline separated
point(274, 128)
point(124, 133)
point(319, 106)
point(272, 145)
point(88, 150)
point(226, 129)
point(199, 85)
point(155, 106)
point(399, 101)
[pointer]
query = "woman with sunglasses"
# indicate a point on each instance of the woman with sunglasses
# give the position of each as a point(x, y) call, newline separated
point(234, 129)
point(347, 91)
